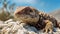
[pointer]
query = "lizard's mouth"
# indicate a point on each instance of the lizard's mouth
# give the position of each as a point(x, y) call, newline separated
point(28, 17)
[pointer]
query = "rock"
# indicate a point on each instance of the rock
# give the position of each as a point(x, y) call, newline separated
point(1, 22)
point(22, 28)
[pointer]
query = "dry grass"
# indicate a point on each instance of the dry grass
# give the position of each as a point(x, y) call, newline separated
point(5, 16)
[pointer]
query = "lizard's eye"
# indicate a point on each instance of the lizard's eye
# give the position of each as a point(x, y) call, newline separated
point(31, 11)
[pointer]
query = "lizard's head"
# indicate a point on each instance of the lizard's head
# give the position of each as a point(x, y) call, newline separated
point(27, 14)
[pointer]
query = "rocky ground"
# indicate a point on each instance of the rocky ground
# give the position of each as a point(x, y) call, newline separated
point(15, 27)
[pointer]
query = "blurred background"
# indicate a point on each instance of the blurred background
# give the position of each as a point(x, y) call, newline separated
point(7, 7)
